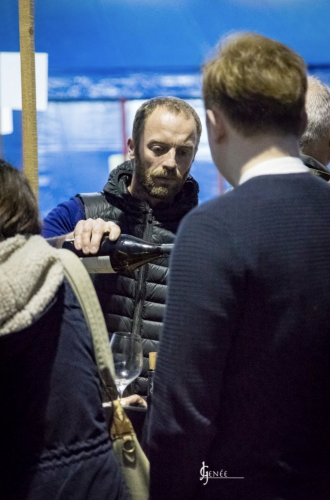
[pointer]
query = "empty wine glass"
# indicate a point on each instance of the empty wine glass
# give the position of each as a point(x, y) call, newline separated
point(127, 357)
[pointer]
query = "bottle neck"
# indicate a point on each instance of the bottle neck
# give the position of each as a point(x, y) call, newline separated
point(126, 254)
point(166, 247)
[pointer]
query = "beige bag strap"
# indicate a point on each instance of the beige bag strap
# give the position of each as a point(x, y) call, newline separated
point(83, 288)
point(134, 464)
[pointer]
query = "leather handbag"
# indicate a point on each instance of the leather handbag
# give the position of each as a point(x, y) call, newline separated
point(133, 461)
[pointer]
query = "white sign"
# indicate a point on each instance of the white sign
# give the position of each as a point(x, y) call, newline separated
point(10, 86)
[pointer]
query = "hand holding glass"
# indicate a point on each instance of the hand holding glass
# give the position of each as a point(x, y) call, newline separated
point(127, 357)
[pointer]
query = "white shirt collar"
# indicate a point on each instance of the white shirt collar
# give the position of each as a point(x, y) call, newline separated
point(285, 165)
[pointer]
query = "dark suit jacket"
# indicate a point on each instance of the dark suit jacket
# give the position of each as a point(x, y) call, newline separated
point(242, 382)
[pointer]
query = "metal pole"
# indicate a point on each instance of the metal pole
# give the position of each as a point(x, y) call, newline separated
point(29, 111)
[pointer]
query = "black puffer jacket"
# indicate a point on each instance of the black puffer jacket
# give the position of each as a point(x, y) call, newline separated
point(316, 167)
point(135, 302)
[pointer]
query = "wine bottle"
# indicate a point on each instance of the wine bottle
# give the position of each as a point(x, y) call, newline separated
point(125, 254)
point(151, 371)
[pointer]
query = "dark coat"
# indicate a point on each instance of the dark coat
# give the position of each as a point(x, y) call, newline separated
point(243, 372)
point(316, 167)
point(54, 442)
point(135, 302)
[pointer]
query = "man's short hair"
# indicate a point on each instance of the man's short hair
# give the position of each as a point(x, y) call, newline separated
point(318, 113)
point(172, 104)
point(258, 83)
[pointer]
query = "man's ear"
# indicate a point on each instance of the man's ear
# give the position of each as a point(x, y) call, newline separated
point(131, 148)
point(215, 124)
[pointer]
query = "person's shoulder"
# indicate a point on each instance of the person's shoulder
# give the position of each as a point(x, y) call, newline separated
point(95, 205)
point(63, 218)
point(73, 204)
point(212, 213)
point(215, 205)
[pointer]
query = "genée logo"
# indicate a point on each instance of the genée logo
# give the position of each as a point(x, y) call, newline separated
point(221, 474)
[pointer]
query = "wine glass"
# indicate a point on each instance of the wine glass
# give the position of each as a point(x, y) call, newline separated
point(127, 357)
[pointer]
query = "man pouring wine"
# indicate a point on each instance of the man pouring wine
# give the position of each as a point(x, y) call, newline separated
point(146, 197)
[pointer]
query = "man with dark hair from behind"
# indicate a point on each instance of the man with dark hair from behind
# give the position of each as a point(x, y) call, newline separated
point(146, 197)
point(241, 401)
point(315, 141)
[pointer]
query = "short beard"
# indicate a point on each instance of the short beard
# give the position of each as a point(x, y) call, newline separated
point(147, 182)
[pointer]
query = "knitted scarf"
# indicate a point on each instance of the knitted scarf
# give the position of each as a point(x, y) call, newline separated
point(30, 275)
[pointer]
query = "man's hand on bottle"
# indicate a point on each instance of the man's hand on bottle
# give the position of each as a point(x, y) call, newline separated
point(88, 234)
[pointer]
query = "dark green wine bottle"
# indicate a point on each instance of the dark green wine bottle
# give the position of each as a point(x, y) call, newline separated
point(125, 254)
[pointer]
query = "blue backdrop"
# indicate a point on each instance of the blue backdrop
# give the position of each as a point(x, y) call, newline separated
point(101, 51)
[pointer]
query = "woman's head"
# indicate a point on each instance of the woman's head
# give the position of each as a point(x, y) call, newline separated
point(19, 212)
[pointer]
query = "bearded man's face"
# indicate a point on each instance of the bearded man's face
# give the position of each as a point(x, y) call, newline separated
point(165, 153)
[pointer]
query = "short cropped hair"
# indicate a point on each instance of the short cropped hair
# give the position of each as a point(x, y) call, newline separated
point(258, 83)
point(318, 113)
point(19, 212)
point(172, 104)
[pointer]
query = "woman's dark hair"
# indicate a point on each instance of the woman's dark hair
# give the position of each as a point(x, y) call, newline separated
point(19, 212)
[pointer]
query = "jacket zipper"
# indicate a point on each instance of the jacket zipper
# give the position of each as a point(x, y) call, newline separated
point(141, 285)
